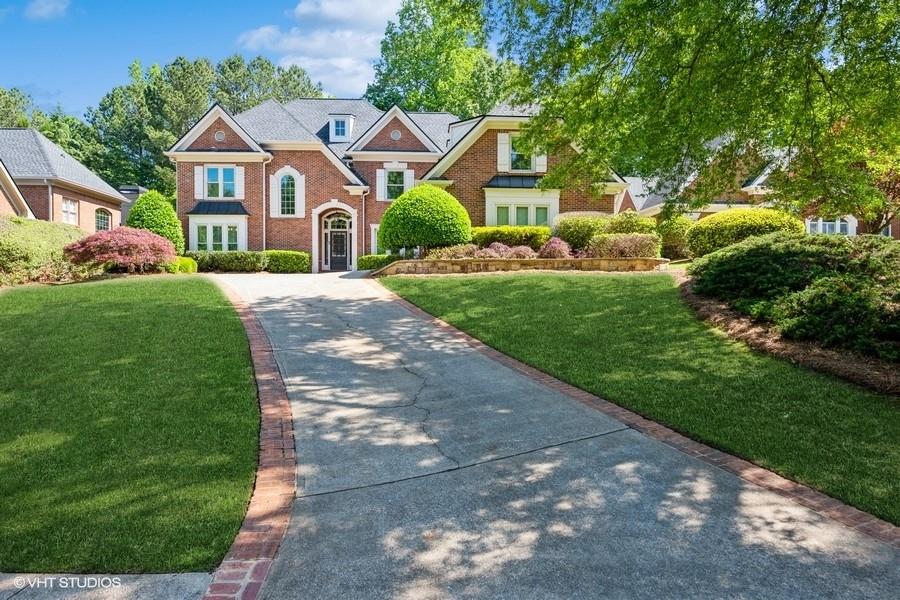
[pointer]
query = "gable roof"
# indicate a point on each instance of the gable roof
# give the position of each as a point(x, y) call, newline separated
point(315, 115)
point(215, 112)
point(12, 191)
point(29, 155)
point(395, 112)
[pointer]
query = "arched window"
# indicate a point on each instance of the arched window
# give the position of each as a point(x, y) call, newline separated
point(102, 220)
point(288, 195)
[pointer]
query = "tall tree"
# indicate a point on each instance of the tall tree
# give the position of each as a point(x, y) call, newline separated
point(240, 85)
point(668, 88)
point(435, 57)
point(70, 133)
point(15, 106)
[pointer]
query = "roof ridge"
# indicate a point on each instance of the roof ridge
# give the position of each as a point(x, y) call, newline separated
point(40, 137)
point(294, 119)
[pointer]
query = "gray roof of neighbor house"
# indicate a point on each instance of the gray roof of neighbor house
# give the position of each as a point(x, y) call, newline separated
point(643, 192)
point(29, 155)
point(307, 119)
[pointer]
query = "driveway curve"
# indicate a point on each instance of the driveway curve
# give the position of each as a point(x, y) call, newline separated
point(428, 470)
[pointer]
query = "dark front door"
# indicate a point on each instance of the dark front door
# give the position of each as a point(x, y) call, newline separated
point(338, 250)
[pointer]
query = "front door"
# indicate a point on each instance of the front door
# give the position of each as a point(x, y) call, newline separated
point(338, 250)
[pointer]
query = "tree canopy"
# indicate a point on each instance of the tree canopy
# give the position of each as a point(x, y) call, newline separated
point(720, 88)
point(435, 57)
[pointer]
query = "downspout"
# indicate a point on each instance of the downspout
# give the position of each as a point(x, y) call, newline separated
point(265, 214)
point(49, 200)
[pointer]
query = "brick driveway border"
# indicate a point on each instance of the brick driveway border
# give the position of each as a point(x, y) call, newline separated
point(246, 566)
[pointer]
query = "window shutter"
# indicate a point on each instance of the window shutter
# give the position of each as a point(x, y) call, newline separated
point(409, 179)
point(540, 163)
point(503, 152)
point(239, 183)
point(199, 184)
point(274, 197)
point(301, 196)
point(380, 185)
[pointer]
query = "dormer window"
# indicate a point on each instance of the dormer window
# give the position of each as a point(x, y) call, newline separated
point(341, 128)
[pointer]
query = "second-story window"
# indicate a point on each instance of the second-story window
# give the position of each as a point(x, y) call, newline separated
point(519, 158)
point(395, 185)
point(340, 128)
point(220, 182)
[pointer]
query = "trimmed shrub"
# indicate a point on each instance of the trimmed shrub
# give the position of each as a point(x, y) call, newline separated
point(32, 250)
point(624, 245)
point(736, 224)
point(154, 212)
point(235, 262)
point(182, 264)
point(555, 248)
point(577, 231)
point(123, 249)
point(370, 262)
point(533, 237)
point(427, 217)
point(499, 248)
point(673, 232)
point(844, 311)
point(630, 222)
point(487, 253)
point(521, 252)
point(453, 252)
point(288, 261)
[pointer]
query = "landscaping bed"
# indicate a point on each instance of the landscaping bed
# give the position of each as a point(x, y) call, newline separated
point(633, 341)
point(489, 265)
point(128, 426)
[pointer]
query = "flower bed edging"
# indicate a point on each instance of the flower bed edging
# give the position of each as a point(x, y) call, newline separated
point(246, 566)
point(490, 265)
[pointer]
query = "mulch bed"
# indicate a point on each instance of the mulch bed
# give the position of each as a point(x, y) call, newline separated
point(878, 375)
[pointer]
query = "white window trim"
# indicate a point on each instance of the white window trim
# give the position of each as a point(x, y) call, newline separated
point(532, 198)
point(221, 168)
point(852, 224)
point(299, 194)
point(387, 183)
point(65, 213)
point(373, 237)
point(533, 169)
point(223, 220)
point(348, 128)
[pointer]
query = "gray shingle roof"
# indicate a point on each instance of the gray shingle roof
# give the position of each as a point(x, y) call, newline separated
point(29, 155)
point(313, 114)
point(270, 122)
point(436, 126)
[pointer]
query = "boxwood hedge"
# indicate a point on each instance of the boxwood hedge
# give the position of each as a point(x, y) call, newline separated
point(288, 261)
point(533, 237)
point(736, 224)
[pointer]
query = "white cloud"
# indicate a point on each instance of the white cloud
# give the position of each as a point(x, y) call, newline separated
point(46, 9)
point(336, 41)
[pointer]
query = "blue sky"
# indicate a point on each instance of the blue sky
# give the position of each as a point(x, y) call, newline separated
point(73, 51)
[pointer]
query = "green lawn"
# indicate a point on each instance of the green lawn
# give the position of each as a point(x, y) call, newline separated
point(128, 426)
point(631, 340)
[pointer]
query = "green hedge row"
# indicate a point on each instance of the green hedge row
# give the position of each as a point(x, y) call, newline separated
point(32, 250)
point(274, 261)
point(370, 262)
point(533, 237)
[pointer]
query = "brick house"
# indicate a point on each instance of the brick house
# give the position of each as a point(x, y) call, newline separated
point(317, 174)
point(752, 192)
point(12, 202)
point(55, 186)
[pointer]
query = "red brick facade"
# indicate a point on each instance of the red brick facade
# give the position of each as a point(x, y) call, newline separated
point(207, 140)
point(408, 142)
point(478, 164)
point(38, 200)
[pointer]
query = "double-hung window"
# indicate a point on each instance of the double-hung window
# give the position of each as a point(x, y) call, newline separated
point(394, 184)
point(519, 158)
point(340, 128)
point(70, 211)
point(220, 182)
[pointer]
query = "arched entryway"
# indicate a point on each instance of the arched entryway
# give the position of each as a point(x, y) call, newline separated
point(337, 241)
point(332, 211)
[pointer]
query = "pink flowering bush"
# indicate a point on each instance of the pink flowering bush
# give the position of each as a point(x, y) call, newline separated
point(521, 252)
point(123, 249)
point(499, 248)
point(555, 248)
point(453, 252)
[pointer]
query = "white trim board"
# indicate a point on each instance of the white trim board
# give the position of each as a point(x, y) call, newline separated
point(215, 112)
point(383, 120)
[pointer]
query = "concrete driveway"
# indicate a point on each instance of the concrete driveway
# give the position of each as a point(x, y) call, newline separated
point(427, 470)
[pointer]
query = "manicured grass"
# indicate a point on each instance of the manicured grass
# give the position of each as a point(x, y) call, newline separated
point(128, 426)
point(631, 340)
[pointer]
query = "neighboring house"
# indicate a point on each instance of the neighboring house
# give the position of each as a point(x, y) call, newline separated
point(753, 192)
point(12, 202)
point(318, 174)
point(55, 186)
point(131, 194)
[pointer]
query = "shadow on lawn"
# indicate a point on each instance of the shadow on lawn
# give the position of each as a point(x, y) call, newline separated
point(380, 396)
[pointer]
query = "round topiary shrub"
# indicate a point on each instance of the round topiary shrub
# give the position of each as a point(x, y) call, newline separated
point(555, 248)
point(630, 222)
point(673, 232)
point(154, 212)
point(426, 217)
point(736, 224)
